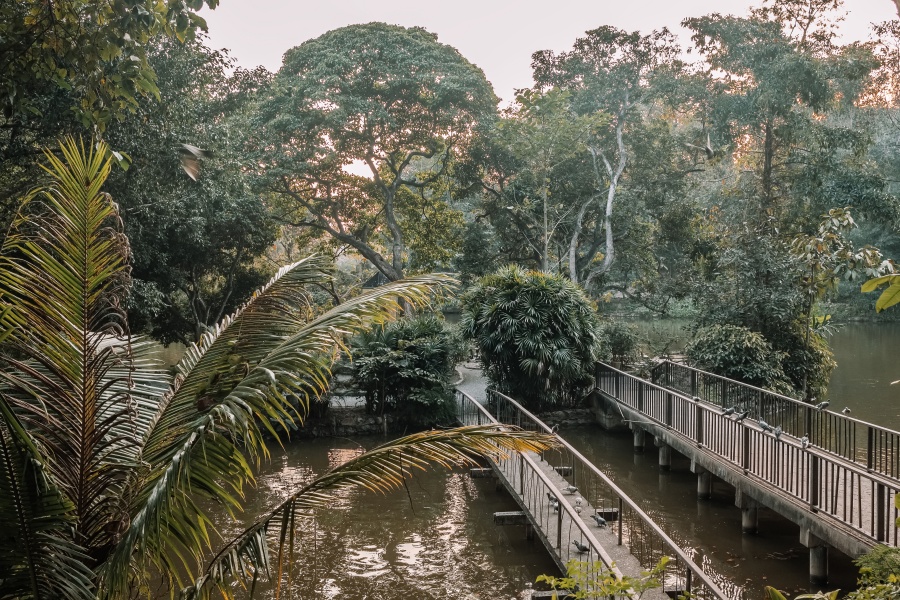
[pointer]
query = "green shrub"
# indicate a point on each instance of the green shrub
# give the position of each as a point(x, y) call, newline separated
point(406, 368)
point(810, 358)
point(738, 353)
point(537, 335)
point(621, 341)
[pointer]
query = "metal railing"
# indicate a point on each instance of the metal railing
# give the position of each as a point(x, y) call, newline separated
point(828, 482)
point(628, 525)
point(866, 444)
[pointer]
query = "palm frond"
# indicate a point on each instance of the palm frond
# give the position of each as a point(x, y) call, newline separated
point(63, 271)
point(37, 558)
point(260, 366)
point(382, 469)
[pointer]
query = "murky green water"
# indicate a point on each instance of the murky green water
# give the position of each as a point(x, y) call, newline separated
point(434, 540)
point(868, 357)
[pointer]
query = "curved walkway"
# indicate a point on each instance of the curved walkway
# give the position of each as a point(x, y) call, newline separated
point(473, 382)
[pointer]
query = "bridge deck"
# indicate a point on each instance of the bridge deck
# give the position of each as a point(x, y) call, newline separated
point(629, 543)
point(824, 485)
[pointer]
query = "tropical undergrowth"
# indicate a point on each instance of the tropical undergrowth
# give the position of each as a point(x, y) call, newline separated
point(106, 462)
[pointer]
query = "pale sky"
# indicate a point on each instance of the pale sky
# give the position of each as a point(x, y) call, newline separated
point(497, 35)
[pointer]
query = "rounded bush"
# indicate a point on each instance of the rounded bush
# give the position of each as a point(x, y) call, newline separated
point(537, 335)
point(738, 353)
point(406, 367)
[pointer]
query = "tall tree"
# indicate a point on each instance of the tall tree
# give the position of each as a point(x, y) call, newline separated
point(382, 100)
point(538, 175)
point(780, 92)
point(771, 96)
point(621, 74)
point(196, 243)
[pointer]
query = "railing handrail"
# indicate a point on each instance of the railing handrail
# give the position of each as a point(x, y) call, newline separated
point(676, 549)
point(818, 451)
point(801, 403)
point(573, 514)
point(861, 472)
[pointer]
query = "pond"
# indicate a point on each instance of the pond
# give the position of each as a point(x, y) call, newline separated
point(435, 539)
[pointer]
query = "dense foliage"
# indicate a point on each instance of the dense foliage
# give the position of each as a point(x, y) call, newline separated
point(99, 446)
point(406, 368)
point(738, 353)
point(622, 341)
point(196, 244)
point(68, 66)
point(537, 336)
point(389, 99)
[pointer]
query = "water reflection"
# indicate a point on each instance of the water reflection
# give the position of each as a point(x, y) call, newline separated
point(866, 354)
point(433, 539)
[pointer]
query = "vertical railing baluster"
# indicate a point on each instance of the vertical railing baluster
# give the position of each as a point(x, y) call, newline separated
point(870, 450)
point(621, 518)
point(670, 403)
point(813, 482)
point(745, 435)
point(699, 423)
point(559, 515)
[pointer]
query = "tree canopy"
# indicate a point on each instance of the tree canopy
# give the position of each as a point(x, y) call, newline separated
point(96, 50)
point(196, 244)
point(359, 115)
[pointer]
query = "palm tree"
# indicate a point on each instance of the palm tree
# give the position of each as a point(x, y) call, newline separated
point(104, 458)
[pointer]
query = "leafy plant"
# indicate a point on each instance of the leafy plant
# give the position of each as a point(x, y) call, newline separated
point(405, 368)
point(105, 462)
point(879, 574)
point(593, 580)
point(621, 340)
point(773, 594)
point(891, 294)
point(881, 564)
point(738, 353)
point(537, 334)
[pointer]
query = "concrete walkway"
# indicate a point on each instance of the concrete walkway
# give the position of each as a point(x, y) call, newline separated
point(473, 382)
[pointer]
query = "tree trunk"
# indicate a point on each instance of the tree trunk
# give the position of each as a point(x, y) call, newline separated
point(611, 193)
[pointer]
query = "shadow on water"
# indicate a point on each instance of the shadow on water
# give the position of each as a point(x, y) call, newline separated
point(710, 530)
point(434, 540)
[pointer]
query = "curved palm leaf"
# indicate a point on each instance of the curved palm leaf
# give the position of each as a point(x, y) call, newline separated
point(382, 469)
point(101, 459)
point(37, 557)
point(260, 366)
point(63, 271)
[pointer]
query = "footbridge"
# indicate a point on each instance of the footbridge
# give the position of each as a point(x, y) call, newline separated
point(578, 513)
point(835, 476)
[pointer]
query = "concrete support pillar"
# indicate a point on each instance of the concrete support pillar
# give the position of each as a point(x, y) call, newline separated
point(704, 480)
point(749, 519)
point(749, 511)
point(665, 457)
point(639, 439)
point(818, 565)
point(818, 557)
point(704, 485)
